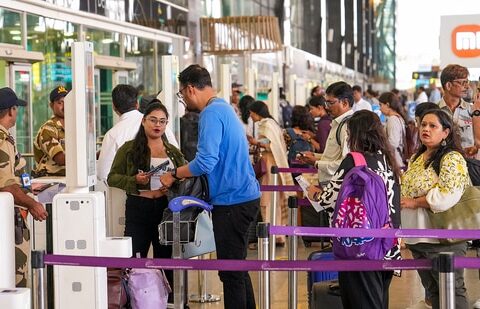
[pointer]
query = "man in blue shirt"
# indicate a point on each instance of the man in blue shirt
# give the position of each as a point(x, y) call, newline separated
point(223, 156)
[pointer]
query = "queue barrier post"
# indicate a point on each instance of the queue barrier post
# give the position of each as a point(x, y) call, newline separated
point(263, 234)
point(444, 264)
point(178, 275)
point(38, 280)
point(292, 253)
point(273, 210)
point(203, 296)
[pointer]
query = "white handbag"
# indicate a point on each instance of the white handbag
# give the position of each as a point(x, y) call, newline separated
point(204, 239)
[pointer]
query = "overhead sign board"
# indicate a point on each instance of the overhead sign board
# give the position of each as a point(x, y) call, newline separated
point(424, 75)
point(460, 40)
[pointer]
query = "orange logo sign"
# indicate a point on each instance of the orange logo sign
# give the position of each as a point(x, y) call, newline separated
point(466, 41)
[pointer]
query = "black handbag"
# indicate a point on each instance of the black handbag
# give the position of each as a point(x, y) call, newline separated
point(193, 186)
point(473, 166)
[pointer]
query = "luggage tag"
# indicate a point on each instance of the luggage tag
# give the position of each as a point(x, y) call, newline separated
point(26, 183)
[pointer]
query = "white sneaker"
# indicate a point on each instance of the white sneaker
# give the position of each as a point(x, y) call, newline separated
point(476, 305)
point(421, 305)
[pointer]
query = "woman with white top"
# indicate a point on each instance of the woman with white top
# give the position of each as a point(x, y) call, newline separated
point(395, 128)
point(137, 168)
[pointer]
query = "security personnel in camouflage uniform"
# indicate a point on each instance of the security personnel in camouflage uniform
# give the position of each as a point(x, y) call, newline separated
point(9, 182)
point(49, 145)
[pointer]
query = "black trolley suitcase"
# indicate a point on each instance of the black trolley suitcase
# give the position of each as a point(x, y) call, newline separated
point(326, 295)
point(320, 276)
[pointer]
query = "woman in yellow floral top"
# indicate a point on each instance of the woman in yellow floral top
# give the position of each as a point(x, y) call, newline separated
point(434, 181)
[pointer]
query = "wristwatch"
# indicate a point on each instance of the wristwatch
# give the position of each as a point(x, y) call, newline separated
point(174, 174)
point(476, 113)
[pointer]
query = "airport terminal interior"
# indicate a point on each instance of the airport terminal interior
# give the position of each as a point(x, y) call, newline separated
point(282, 54)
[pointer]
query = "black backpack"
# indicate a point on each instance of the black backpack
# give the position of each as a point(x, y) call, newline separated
point(338, 133)
point(189, 134)
point(287, 111)
point(295, 144)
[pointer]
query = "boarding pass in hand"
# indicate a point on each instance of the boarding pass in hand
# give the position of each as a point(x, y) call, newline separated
point(304, 184)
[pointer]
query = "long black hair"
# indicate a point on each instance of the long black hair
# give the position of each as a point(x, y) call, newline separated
point(452, 142)
point(394, 103)
point(261, 109)
point(301, 118)
point(141, 151)
point(243, 106)
point(367, 135)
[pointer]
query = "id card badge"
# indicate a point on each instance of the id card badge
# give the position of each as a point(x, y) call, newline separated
point(26, 180)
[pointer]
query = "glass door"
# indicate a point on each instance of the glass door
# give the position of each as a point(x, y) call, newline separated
point(119, 77)
point(21, 82)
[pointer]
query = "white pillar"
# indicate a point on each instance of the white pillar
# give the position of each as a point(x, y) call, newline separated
point(274, 96)
point(7, 241)
point(225, 83)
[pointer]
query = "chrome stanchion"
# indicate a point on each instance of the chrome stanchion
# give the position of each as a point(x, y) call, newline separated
point(264, 276)
point(176, 205)
point(446, 279)
point(178, 275)
point(273, 211)
point(292, 253)
point(203, 296)
point(38, 288)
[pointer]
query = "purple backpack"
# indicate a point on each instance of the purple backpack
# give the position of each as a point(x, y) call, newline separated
point(362, 203)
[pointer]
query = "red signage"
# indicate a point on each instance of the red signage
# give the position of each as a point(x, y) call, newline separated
point(466, 41)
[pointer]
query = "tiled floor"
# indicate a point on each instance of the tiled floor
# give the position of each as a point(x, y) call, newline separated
point(404, 291)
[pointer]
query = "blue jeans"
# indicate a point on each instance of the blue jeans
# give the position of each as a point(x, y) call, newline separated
point(230, 227)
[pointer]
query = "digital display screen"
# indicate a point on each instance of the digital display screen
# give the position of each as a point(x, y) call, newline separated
point(90, 112)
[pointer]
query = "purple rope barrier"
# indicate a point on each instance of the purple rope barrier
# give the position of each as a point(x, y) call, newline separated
point(237, 265)
point(272, 188)
point(384, 233)
point(300, 170)
point(466, 262)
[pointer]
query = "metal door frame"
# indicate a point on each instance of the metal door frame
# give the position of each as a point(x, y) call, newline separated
point(12, 68)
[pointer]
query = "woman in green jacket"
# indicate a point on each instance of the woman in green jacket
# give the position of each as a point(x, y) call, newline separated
point(137, 168)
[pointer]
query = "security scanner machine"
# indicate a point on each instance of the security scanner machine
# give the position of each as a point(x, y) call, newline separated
point(10, 296)
point(78, 219)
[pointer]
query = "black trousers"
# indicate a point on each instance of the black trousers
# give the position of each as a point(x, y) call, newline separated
point(142, 217)
point(230, 227)
point(365, 289)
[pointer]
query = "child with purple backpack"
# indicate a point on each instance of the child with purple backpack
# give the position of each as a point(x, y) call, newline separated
point(364, 193)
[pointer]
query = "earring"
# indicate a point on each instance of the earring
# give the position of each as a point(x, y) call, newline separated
point(443, 143)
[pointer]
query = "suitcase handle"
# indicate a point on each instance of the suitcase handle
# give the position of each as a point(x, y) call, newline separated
point(182, 202)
